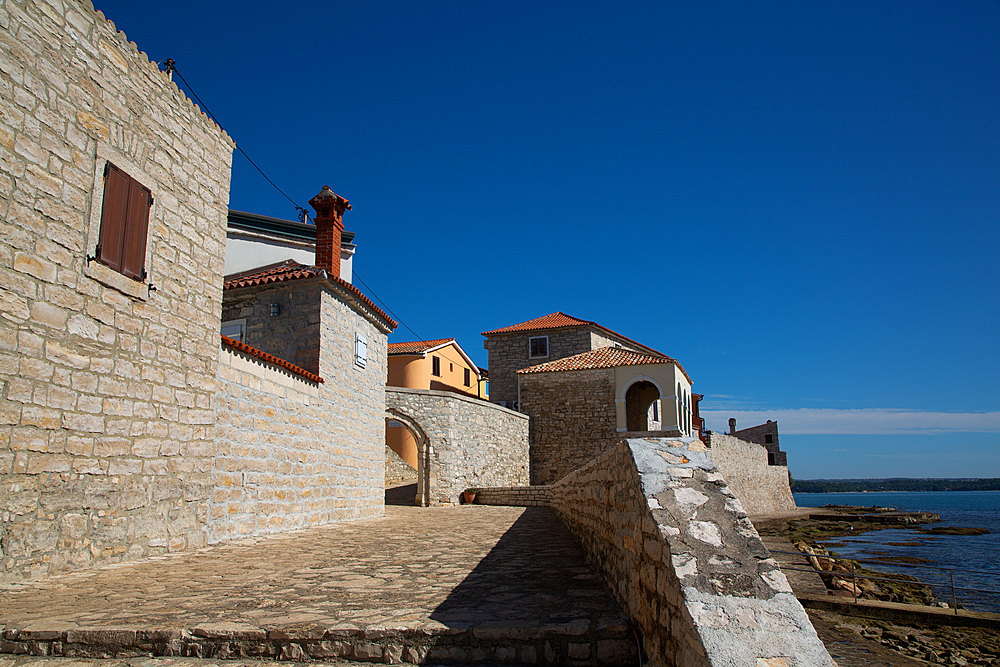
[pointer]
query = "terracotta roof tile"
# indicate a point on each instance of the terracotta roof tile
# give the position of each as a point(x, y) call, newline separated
point(292, 270)
point(270, 358)
point(559, 320)
point(602, 357)
point(556, 320)
point(417, 347)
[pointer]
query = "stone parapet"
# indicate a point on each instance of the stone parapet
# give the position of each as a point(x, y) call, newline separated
point(683, 560)
point(515, 496)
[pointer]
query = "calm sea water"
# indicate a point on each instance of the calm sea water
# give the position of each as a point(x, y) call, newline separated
point(972, 509)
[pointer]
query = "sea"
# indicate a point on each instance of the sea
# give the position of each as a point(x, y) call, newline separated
point(972, 560)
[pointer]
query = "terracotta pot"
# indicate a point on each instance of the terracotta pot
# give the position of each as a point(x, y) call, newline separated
point(468, 497)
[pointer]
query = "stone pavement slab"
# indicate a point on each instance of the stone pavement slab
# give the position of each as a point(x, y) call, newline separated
point(440, 584)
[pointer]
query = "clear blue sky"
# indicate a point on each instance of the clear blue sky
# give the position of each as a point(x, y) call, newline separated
point(798, 201)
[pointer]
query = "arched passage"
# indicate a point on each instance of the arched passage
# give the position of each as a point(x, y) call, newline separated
point(421, 453)
point(638, 397)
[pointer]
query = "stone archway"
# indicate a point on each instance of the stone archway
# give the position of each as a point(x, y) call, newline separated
point(638, 398)
point(425, 477)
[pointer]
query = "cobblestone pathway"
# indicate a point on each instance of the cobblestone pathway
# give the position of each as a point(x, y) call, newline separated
point(442, 583)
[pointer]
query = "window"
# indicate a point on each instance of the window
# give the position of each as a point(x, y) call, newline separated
point(124, 223)
point(436, 366)
point(538, 346)
point(234, 329)
point(656, 411)
point(360, 350)
point(768, 439)
point(468, 378)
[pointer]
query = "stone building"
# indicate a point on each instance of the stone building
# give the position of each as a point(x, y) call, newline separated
point(318, 455)
point(114, 189)
point(542, 340)
point(581, 405)
point(765, 435)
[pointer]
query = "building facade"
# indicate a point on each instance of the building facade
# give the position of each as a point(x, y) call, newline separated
point(542, 340)
point(114, 189)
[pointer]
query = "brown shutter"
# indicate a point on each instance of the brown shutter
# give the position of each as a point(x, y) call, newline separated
point(113, 217)
point(136, 224)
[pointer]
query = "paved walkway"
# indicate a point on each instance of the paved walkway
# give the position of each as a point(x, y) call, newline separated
point(441, 584)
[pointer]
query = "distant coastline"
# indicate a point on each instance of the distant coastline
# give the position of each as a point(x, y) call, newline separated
point(889, 485)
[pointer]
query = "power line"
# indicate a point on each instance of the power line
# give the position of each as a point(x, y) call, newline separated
point(172, 67)
point(394, 316)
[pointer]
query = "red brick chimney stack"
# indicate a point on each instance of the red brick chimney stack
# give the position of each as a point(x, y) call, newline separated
point(329, 221)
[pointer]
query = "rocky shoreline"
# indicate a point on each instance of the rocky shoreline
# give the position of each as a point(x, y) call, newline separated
point(923, 644)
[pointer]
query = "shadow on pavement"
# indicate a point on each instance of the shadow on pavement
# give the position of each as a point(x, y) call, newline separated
point(401, 495)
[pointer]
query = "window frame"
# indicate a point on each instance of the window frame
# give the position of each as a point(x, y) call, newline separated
point(241, 323)
point(94, 269)
point(435, 366)
point(468, 377)
point(532, 339)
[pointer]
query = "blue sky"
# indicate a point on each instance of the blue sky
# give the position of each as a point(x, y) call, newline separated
point(798, 201)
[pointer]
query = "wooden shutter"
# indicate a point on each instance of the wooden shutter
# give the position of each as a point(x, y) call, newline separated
point(124, 223)
point(136, 223)
point(113, 217)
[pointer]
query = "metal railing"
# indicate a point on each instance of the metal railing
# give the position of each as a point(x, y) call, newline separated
point(884, 563)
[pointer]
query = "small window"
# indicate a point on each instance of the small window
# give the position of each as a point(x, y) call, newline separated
point(360, 350)
point(768, 439)
point(468, 378)
point(124, 223)
point(234, 329)
point(656, 411)
point(436, 366)
point(538, 346)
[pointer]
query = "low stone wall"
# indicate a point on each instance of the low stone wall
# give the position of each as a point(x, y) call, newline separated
point(683, 560)
point(396, 469)
point(761, 488)
point(466, 442)
point(515, 496)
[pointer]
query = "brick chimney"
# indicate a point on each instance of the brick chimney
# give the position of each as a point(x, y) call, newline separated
point(329, 221)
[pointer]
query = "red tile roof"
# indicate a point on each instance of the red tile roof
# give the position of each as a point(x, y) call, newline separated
point(602, 357)
point(292, 270)
point(559, 320)
point(417, 347)
point(270, 358)
point(556, 320)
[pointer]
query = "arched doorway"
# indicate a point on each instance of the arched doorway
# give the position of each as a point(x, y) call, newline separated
point(413, 447)
point(638, 399)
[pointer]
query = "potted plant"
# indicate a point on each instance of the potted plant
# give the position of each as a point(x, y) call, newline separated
point(469, 495)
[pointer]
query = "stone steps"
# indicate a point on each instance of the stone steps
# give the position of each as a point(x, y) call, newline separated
point(575, 643)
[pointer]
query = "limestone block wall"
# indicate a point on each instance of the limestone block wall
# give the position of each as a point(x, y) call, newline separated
point(683, 559)
point(515, 496)
point(291, 453)
point(471, 443)
point(573, 419)
point(106, 386)
point(396, 469)
point(762, 488)
point(508, 353)
point(292, 335)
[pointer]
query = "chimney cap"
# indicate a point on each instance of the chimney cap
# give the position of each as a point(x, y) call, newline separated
point(326, 201)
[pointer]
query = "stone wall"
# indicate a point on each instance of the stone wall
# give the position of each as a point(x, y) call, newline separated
point(291, 453)
point(467, 442)
point(106, 386)
point(396, 469)
point(508, 353)
point(572, 419)
point(762, 488)
point(292, 335)
point(683, 559)
point(515, 496)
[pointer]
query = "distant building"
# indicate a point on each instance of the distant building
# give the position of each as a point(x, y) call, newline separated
point(430, 364)
point(765, 435)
